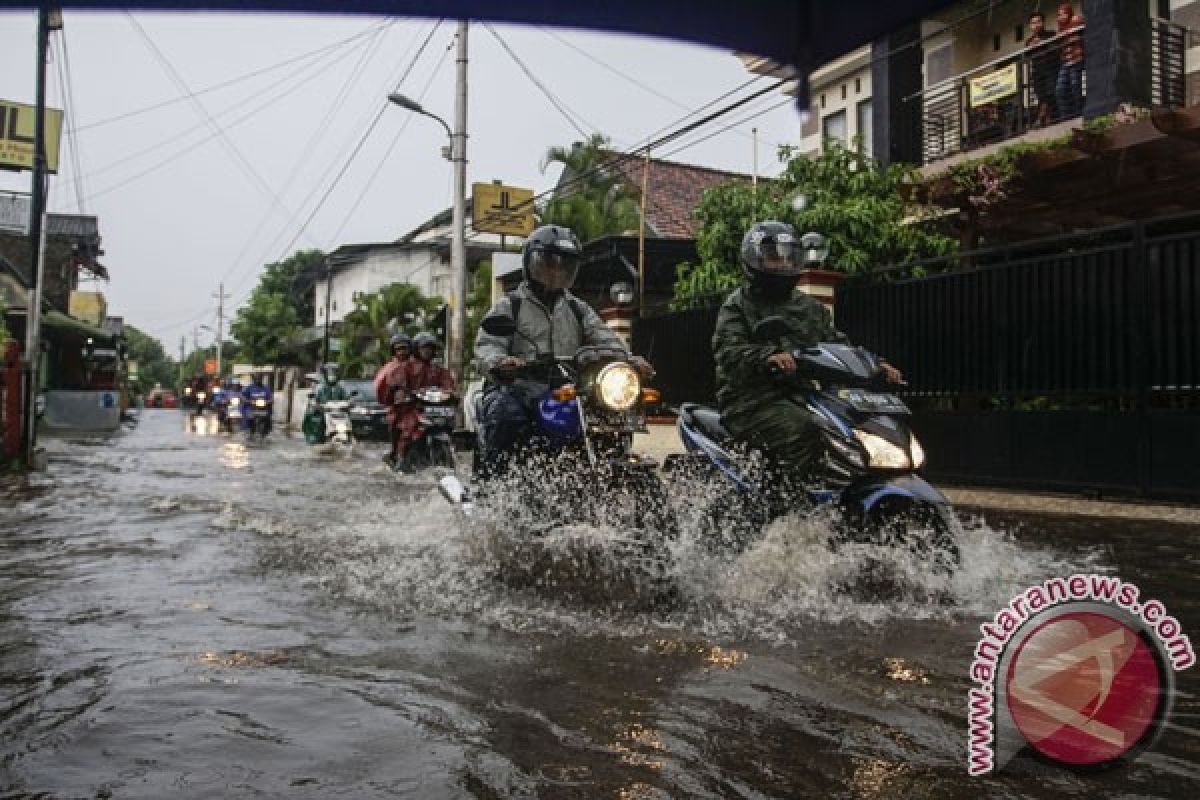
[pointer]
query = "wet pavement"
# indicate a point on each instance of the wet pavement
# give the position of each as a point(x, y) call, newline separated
point(184, 615)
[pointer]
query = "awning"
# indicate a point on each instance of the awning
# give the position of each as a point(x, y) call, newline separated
point(58, 321)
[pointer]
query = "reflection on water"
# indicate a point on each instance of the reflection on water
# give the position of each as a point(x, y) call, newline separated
point(185, 616)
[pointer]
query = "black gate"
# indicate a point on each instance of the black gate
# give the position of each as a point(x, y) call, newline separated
point(1071, 362)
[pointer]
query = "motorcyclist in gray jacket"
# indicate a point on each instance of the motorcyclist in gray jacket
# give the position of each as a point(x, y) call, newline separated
point(550, 321)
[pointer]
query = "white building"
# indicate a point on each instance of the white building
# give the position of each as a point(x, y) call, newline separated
point(367, 268)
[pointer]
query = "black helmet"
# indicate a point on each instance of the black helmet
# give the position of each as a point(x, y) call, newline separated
point(550, 257)
point(398, 340)
point(771, 251)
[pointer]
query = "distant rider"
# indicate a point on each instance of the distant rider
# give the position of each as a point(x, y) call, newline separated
point(550, 322)
point(754, 406)
point(330, 389)
point(391, 375)
point(421, 371)
point(257, 389)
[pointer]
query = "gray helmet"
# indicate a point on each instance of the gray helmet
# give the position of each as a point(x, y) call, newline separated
point(397, 340)
point(330, 371)
point(550, 257)
point(422, 339)
point(771, 251)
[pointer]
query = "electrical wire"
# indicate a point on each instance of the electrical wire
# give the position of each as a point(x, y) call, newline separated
point(70, 113)
point(567, 113)
point(235, 80)
point(245, 165)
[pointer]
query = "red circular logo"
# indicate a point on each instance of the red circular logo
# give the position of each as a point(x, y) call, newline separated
point(1084, 688)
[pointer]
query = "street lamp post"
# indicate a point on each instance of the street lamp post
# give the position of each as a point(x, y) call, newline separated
point(458, 244)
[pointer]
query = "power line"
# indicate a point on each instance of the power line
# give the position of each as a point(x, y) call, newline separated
point(569, 115)
point(375, 173)
point(230, 147)
point(731, 125)
point(300, 77)
point(233, 81)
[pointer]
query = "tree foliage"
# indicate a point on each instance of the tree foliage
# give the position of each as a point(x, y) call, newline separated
point(375, 318)
point(595, 202)
point(849, 197)
point(279, 307)
point(154, 365)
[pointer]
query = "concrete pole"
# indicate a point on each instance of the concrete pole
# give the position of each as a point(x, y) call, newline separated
point(458, 249)
point(37, 240)
point(220, 323)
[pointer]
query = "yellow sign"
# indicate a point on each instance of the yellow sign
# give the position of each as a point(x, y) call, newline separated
point(16, 136)
point(91, 307)
point(993, 86)
point(502, 209)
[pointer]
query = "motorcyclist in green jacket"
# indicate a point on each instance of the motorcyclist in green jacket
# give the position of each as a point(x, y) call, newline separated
point(330, 389)
point(756, 407)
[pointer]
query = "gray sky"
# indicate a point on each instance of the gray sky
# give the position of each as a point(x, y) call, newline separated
point(182, 207)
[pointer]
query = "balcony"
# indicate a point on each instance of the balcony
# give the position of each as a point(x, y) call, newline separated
point(1030, 91)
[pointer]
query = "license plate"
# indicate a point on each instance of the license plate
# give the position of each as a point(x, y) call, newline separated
point(259, 413)
point(874, 402)
point(439, 411)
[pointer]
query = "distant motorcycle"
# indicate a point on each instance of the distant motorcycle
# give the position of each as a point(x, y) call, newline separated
point(432, 444)
point(230, 418)
point(257, 407)
point(332, 425)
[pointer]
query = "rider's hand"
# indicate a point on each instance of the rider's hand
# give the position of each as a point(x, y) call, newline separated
point(782, 362)
point(643, 367)
point(510, 362)
point(890, 374)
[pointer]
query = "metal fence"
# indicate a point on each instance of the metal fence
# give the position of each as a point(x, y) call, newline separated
point(1005, 98)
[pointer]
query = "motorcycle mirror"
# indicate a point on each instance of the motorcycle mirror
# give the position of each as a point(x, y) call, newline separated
point(499, 325)
point(771, 328)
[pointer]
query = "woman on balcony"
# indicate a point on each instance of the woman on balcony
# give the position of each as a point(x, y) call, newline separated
point(1043, 68)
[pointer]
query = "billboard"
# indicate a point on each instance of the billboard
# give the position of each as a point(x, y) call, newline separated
point(15, 211)
point(16, 136)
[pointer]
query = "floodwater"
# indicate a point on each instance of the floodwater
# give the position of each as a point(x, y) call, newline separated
point(184, 616)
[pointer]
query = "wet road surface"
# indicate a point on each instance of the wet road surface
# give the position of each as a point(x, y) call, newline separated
point(187, 616)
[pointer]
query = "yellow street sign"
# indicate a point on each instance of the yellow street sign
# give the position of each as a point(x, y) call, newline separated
point(502, 209)
point(16, 136)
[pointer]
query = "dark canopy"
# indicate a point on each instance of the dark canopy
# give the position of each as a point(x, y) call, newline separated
point(799, 33)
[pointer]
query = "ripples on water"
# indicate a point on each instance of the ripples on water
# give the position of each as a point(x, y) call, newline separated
point(186, 615)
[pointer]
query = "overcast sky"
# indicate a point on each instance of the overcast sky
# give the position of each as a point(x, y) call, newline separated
point(212, 188)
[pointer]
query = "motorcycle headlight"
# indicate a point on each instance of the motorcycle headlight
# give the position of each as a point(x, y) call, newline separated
point(235, 401)
point(918, 453)
point(200, 395)
point(187, 390)
point(618, 387)
point(433, 394)
point(260, 403)
point(881, 453)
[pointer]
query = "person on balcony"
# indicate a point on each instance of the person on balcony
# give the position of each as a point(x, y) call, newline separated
point(1043, 68)
point(1069, 91)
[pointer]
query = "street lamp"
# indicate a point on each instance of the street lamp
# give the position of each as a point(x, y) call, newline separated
point(407, 103)
point(456, 350)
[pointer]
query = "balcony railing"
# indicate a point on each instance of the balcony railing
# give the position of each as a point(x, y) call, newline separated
point(1033, 88)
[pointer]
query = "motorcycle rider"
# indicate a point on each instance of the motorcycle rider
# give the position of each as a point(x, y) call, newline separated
point(420, 371)
point(755, 408)
point(257, 388)
point(330, 389)
point(391, 375)
point(550, 321)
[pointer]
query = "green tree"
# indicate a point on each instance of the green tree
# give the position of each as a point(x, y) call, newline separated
point(849, 197)
point(279, 307)
point(375, 318)
point(596, 202)
point(154, 365)
point(479, 302)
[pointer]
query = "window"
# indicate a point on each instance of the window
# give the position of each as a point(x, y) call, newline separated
point(822, 101)
point(834, 127)
point(1019, 33)
point(996, 42)
point(843, 91)
point(938, 64)
point(866, 138)
point(857, 85)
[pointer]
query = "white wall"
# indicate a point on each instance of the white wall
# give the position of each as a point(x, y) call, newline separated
point(422, 267)
point(839, 86)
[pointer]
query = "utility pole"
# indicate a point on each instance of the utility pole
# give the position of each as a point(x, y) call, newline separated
point(458, 248)
point(220, 295)
point(328, 295)
point(37, 236)
point(182, 345)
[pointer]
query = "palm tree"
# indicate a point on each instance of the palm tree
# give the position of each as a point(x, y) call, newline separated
point(375, 319)
point(595, 202)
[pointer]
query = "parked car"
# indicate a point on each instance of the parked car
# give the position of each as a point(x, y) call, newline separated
point(368, 417)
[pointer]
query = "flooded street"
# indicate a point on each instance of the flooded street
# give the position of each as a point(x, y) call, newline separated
point(187, 616)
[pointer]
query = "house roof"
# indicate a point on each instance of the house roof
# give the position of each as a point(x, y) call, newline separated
point(673, 192)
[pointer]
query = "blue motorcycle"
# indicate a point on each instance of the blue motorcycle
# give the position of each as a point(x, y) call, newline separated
point(256, 407)
point(869, 471)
